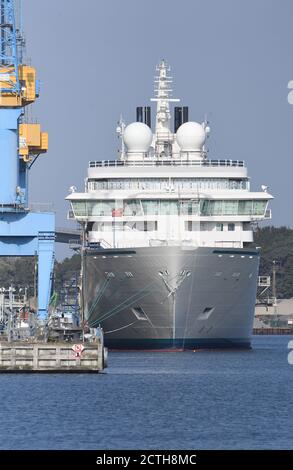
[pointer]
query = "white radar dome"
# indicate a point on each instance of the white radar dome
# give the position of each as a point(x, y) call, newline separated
point(137, 137)
point(191, 137)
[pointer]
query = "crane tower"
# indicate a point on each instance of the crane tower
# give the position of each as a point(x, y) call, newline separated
point(24, 231)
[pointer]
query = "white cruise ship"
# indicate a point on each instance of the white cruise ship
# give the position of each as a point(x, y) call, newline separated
point(167, 231)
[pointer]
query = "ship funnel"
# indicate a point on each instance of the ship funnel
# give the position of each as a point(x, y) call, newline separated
point(180, 116)
point(143, 114)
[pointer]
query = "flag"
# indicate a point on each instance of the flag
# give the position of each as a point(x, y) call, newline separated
point(117, 212)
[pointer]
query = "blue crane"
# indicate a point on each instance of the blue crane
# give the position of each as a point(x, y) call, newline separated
point(24, 231)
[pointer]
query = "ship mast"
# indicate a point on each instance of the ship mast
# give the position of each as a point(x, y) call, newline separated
point(163, 135)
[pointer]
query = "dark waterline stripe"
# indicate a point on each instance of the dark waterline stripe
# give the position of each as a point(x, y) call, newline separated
point(178, 344)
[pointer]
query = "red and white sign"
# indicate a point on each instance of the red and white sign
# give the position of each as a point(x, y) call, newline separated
point(78, 349)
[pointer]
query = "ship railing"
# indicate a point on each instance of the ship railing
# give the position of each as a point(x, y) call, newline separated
point(13, 208)
point(166, 162)
point(101, 243)
point(33, 207)
point(41, 207)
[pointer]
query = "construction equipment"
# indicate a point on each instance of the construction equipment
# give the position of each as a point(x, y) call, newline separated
point(23, 232)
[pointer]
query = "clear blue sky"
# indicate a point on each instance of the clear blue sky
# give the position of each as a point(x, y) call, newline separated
point(231, 59)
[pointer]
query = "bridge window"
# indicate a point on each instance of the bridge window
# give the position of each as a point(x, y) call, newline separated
point(220, 227)
point(137, 207)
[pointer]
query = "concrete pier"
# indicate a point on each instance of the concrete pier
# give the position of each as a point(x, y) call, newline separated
point(52, 357)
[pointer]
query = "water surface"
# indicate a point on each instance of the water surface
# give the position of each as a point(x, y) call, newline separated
point(202, 400)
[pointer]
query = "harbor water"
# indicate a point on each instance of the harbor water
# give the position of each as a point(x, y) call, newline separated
point(192, 400)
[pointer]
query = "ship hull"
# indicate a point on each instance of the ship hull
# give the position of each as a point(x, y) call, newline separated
point(170, 297)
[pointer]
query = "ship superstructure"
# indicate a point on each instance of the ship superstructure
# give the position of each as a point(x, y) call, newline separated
point(167, 231)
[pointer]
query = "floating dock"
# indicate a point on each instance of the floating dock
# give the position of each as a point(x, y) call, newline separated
point(52, 357)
